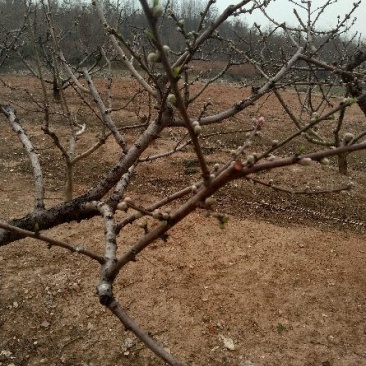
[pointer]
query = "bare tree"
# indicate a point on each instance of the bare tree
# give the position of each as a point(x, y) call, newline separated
point(323, 75)
point(167, 101)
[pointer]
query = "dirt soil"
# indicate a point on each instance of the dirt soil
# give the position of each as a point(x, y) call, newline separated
point(283, 283)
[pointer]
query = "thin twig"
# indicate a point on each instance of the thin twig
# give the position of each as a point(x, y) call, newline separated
point(52, 242)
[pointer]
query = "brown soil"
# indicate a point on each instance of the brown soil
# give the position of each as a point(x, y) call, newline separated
point(282, 284)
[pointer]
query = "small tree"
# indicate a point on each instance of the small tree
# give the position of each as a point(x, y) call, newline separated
point(323, 75)
point(169, 98)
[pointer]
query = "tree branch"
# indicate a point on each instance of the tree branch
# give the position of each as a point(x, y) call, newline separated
point(51, 242)
point(28, 146)
point(131, 325)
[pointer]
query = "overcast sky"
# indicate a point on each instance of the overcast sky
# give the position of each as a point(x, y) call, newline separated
point(282, 10)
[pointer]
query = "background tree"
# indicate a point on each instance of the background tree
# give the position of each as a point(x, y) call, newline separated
point(159, 50)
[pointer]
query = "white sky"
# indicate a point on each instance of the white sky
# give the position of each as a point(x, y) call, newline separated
point(282, 10)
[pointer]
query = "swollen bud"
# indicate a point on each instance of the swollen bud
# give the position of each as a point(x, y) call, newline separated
point(314, 116)
point(157, 11)
point(250, 159)
point(143, 225)
point(260, 122)
point(305, 161)
point(156, 214)
point(122, 206)
point(138, 215)
point(197, 130)
point(210, 201)
point(153, 57)
point(172, 99)
point(347, 138)
point(166, 49)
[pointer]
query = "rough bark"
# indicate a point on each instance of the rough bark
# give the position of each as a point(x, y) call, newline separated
point(353, 85)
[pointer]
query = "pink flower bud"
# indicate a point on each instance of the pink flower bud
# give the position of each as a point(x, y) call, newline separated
point(260, 122)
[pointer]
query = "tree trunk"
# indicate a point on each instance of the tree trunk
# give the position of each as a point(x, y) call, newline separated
point(354, 86)
point(69, 182)
point(343, 164)
point(56, 89)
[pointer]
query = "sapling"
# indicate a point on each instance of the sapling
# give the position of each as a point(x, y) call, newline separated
point(222, 219)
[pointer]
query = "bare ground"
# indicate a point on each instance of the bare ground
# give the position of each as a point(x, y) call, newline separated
point(282, 284)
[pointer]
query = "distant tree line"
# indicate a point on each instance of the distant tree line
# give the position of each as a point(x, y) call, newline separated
point(81, 38)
